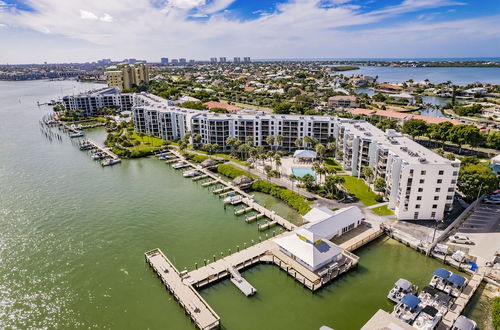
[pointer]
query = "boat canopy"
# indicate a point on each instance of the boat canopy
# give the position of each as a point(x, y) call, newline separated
point(429, 310)
point(403, 284)
point(457, 280)
point(443, 273)
point(410, 301)
point(443, 298)
point(430, 290)
point(463, 323)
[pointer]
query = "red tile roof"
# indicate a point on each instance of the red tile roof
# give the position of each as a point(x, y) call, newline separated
point(392, 114)
point(361, 111)
point(228, 107)
point(436, 120)
point(390, 87)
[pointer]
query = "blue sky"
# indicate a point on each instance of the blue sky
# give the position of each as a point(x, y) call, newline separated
point(77, 30)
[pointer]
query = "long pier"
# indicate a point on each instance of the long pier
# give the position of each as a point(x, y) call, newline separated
point(103, 149)
point(195, 306)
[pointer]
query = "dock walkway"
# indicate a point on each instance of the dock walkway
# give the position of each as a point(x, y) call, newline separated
point(195, 306)
point(241, 283)
point(103, 149)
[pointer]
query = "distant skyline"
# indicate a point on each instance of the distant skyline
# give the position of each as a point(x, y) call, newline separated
point(34, 31)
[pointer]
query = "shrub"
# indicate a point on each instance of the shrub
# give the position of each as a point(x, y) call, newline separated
point(232, 171)
point(379, 198)
point(293, 199)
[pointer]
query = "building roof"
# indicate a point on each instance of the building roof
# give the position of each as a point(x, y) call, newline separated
point(228, 107)
point(313, 252)
point(410, 301)
point(305, 154)
point(342, 98)
point(361, 111)
point(390, 86)
point(392, 114)
point(325, 222)
point(443, 273)
point(403, 284)
point(436, 120)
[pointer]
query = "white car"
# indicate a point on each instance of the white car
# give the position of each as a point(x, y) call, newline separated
point(460, 239)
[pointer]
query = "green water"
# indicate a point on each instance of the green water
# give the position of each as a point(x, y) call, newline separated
point(73, 235)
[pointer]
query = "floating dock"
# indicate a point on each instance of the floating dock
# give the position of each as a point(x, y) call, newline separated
point(241, 283)
point(103, 149)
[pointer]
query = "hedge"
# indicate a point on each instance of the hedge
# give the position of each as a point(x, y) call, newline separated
point(293, 199)
point(232, 171)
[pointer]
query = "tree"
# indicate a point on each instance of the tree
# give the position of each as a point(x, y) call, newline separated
point(476, 179)
point(293, 178)
point(299, 143)
point(320, 150)
point(211, 148)
point(270, 141)
point(268, 169)
point(308, 181)
point(279, 140)
point(308, 140)
point(379, 184)
point(193, 105)
point(493, 140)
point(331, 185)
point(367, 173)
point(243, 149)
point(415, 127)
point(465, 134)
point(282, 108)
point(232, 143)
point(331, 147)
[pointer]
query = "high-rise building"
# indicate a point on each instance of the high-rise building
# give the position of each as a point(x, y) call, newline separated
point(213, 60)
point(222, 60)
point(246, 59)
point(191, 62)
point(125, 76)
point(236, 60)
point(175, 61)
point(182, 61)
point(164, 60)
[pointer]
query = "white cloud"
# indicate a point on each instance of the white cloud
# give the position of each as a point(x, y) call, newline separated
point(84, 14)
point(106, 18)
point(186, 4)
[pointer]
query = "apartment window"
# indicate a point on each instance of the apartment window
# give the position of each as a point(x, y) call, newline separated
point(434, 206)
point(455, 173)
point(449, 197)
point(453, 181)
point(433, 215)
point(438, 189)
point(422, 172)
point(419, 198)
point(417, 206)
point(411, 172)
point(451, 189)
point(441, 172)
point(440, 181)
point(420, 189)
point(415, 215)
point(436, 198)
point(422, 180)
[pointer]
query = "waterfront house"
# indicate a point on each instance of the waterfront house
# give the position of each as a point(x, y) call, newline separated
point(329, 224)
point(343, 101)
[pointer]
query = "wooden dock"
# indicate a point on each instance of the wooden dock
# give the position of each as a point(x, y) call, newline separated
point(103, 149)
point(242, 210)
point(254, 218)
point(194, 305)
point(246, 288)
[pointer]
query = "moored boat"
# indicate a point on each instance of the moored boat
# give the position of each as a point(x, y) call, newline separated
point(440, 279)
point(77, 134)
point(400, 289)
point(110, 161)
point(456, 284)
point(463, 323)
point(427, 319)
point(408, 309)
point(191, 174)
point(232, 199)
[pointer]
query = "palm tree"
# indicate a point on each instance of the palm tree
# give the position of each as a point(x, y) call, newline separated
point(268, 169)
point(277, 161)
point(331, 147)
point(279, 140)
point(293, 178)
point(270, 141)
point(308, 140)
point(243, 150)
point(320, 150)
point(299, 143)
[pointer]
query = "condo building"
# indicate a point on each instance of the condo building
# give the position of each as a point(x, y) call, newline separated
point(91, 103)
point(125, 75)
point(420, 184)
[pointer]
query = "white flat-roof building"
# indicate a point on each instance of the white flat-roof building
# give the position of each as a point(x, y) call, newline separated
point(329, 224)
point(91, 102)
point(309, 249)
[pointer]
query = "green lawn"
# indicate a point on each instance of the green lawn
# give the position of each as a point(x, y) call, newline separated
point(332, 163)
point(360, 189)
point(234, 160)
point(153, 141)
point(383, 210)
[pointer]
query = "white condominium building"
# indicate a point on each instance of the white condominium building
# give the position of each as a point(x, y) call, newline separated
point(419, 183)
point(91, 102)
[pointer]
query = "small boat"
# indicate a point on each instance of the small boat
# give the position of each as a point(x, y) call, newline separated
point(443, 302)
point(191, 174)
point(463, 323)
point(440, 278)
point(86, 146)
point(456, 284)
point(163, 156)
point(232, 199)
point(179, 165)
point(428, 319)
point(98, 155)
point(400, 289)
point(408, 309)
point(110, 161)
point(76, 134)
point(428, 295)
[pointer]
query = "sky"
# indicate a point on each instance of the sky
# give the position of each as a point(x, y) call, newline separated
point(35, 31)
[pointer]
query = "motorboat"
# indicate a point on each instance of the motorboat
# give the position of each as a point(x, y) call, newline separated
point(443, 302)
point(98, 155)
point(456, 284)
point(191, 174)
point(408, 309)
point(232, 199)
point(440, 279)
point(428, 295)
point(400, 289)
point(463, 323)
point(77, 134)
point(86, 146)
point(428, 319)
point(163, 156)
point(179, 165)
point(110, 161)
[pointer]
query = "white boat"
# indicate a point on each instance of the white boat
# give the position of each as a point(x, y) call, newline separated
point(232, 199)
point(400, 289)
point(191, 174)
point(428, 319)
point(463, 323)
point(443, 303)
point(440, 278)
point(408, 309)
point(456, 283)
point(76, 134)
point(179, 165)
point(110, 161)
point(428, 295)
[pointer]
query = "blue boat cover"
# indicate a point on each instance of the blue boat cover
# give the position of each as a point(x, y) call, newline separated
point(457, 279)
point(473, 266)
point(410, 301)
point(443, 273)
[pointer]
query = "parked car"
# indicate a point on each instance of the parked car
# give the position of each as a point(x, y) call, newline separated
point(491, 201)
point(460, 239)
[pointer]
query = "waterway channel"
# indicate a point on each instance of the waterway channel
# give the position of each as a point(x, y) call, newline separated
point(73, 235)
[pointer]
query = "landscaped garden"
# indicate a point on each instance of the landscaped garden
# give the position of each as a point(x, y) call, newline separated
point(128, 143)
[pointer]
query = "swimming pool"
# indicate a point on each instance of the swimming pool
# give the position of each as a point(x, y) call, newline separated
point(301, 171)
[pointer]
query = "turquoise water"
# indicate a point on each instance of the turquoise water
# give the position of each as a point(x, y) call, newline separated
point(301, 171)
